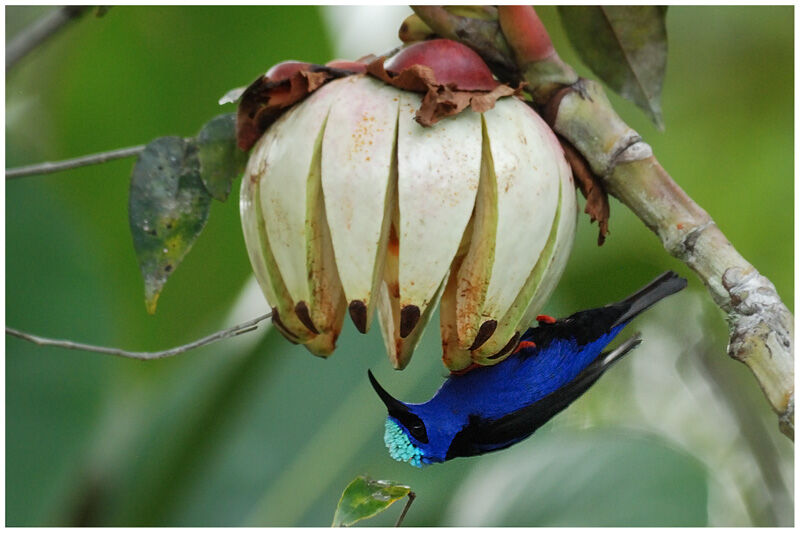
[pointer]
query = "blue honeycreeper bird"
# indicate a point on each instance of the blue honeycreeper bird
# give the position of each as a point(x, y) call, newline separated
point(490, 408)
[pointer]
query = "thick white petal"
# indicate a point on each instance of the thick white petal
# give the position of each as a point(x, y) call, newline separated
point(400, 349)
point(476, 268)
point(251, 222)
point(542, 280)
point(527, 175)
point(511, 326)
point(547, 271)
point(284, 187)
point(563, 247)
point(358, 179)
point(259, 251)
point(325, 309)
point(454, 357)
point(438, 175)
point(388, 309)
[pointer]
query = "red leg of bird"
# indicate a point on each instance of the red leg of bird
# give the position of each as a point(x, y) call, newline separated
point(523, 345)
point(545, 319)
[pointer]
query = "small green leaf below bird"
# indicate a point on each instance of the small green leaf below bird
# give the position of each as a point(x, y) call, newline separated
point(365, 497)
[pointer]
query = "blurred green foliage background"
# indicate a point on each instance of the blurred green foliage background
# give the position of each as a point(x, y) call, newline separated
point(255, 431)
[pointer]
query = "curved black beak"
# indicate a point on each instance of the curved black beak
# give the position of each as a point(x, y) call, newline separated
point(392, 404)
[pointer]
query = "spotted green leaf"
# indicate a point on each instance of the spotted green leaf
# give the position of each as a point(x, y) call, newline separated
point(625, 46)
point(168, 208)
point(364, 498)
point(221, 161)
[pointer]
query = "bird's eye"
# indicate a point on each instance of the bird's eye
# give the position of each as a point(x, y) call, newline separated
point(419, 433)
point(414, 425)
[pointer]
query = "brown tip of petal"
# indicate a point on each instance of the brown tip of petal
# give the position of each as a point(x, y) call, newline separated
point(276, 321)
point(358, 313)
point(508, 347)
point(409, 316)
point(305, 317)
point(485, 331)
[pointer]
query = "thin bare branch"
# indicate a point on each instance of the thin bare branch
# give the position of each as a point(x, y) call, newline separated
point(67, 164)
point(402, 516)
point(39, 32)
point(244, 327)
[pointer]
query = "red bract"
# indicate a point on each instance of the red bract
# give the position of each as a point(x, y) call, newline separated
point(284, 70)
point(451, 62)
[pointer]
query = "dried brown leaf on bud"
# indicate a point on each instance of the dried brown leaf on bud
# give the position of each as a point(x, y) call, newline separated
point(597, 206)
point(444, 102)
point(482, 102)
point(440, 100)
point(266, 99)
point(417, 78)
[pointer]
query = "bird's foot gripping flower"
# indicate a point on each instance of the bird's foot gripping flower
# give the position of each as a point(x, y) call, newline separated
point(397, 185)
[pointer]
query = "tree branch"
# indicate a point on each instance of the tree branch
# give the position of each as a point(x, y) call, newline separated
point(244, 327)
point(67, 164)
point(761, 326)
point(39, 32)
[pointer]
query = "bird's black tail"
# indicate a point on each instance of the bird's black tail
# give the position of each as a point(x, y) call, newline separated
point(589, 325)
point(664, 285)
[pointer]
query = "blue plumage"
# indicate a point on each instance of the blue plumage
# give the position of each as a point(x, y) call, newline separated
point(493, 407)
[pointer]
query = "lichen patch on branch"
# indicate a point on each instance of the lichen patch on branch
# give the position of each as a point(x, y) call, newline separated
point(762, 328)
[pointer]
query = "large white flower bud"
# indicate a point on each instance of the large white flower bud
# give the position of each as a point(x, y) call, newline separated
point(348, 203)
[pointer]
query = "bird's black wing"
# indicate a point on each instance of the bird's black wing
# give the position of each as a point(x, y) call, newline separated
point(587, 326)
point(481, 435)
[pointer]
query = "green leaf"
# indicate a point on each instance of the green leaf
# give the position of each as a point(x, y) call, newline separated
point(364, 498)
point(221, 161)
point(168, 208)
point(625, 46)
